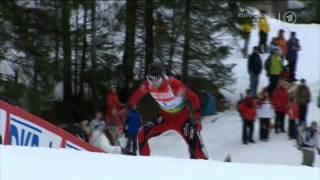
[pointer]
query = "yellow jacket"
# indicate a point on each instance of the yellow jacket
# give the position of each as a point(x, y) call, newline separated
point(246, 27)
point(263, 24)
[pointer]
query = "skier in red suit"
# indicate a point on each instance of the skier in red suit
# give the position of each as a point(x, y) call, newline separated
point(180, 111)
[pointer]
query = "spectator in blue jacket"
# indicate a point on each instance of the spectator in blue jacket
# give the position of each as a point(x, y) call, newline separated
point(132, 127)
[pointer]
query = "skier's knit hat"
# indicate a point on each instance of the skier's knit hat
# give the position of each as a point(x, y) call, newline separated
point(155, 71)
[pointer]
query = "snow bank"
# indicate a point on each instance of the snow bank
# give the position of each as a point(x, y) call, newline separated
point(25, 163)
point(308, 58)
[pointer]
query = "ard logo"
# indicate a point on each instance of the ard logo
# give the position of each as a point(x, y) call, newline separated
point(23, 134)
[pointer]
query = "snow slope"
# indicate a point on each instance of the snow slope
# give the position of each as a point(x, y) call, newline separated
point(308, 58)
point(224, 135)
point(25, 163)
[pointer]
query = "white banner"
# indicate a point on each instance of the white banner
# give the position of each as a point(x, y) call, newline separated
point(3, 125)
point(21, 128)
point(26, 133)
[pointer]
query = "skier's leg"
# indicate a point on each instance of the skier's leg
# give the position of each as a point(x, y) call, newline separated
point(186, 128)
point(147, 132)
point(193, 139)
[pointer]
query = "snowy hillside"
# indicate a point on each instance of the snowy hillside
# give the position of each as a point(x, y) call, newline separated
point(308, 58)
point(25, 163)
point(224, 135)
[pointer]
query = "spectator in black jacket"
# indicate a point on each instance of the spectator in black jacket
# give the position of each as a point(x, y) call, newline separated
point(293, 48)
point(80, 127)
point(254, 70)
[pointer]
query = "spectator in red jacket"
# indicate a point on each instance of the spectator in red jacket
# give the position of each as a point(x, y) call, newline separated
point(293, 113)
point(247, 109)
point(280, 100)
point(114, 113)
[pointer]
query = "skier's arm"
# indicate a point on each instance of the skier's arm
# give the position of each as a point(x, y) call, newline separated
point(195, 102)
point(138, 94)
point(181, 90)
point(193, 98)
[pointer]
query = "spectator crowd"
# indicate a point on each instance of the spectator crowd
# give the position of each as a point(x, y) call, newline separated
point(282, 99)
point(106, 128)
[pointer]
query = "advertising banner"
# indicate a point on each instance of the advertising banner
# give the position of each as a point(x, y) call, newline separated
point(20, 128)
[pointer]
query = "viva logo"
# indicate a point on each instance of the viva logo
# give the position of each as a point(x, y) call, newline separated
point(23, 134)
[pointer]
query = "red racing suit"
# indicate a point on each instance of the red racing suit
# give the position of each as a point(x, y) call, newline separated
point(173, 98)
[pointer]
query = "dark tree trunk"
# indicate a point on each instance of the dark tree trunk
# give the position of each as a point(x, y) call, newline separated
point(66, 46)
point(93, 83)
point(84, 51)
point(172, 40)
point(57, 37)
point(56, 50)
point(186, 46)
point(76, 54)
point(129, 55)
point(148, 20)
point(35, 72)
